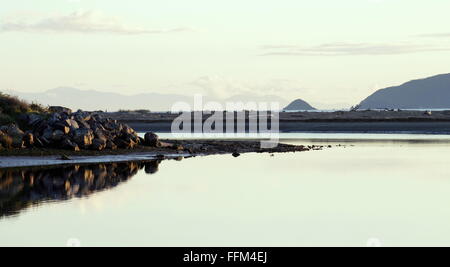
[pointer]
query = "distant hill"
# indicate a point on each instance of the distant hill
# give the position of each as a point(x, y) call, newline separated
point(95, 100)
point(299, 104)
point(429, 93)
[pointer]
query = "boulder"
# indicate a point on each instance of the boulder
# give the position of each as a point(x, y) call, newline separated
point(34, 119)
point(124, 143)
point(28, 140)
point(18, 142)
point(111, 145)
point(69, 145)
point(12, 130)
point(38, 142)
point(47, 134)
point(62, 127)
point(128, 130)
point(98, 144)
point(15, 133)
point(72, 124)
point(58, 109)
point(83, 137)
point(54, 118)
point(5, 140)
point(100, 135)
point(83, 125)
point(57, 135)
point(151, 139)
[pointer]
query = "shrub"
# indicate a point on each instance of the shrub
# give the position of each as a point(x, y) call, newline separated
point(11, 107)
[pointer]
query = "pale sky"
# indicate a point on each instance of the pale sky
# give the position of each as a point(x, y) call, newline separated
point(327, 52)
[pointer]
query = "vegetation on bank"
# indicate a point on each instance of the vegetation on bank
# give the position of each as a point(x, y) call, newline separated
point(11, 108)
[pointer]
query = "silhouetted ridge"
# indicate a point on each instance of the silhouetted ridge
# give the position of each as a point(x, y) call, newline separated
point(429, 93)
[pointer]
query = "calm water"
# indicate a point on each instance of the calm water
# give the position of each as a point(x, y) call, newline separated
point(393, 190)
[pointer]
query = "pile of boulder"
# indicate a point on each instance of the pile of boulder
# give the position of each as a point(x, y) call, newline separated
point(64, 129)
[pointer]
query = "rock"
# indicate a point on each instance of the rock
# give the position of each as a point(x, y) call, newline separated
point(83, 125)
point(128, 130)
point(98, 144)
point(45, 141)
point(5, 140)
point(38, 142)
point(177, 147)
point(72, 124)
point(17, 142)
point(34, 119)
point(57, 135)
point(141, 140)
point(125, 143)
point(83, 137)
point(69, 145)
point(129, 138)
point(82, 116)
point(47, 134)
point(151, 139)
point(110, 145)
point(54, 118)
point(12, 130)
point(236, 154)
point(62, 127)
point(28, 140)
point(166, 145)
point(16, 135)
point(58, 109)
point(64, 157)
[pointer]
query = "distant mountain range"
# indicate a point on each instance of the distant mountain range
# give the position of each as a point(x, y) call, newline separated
point(96, 100)
point(299, 104)
point(429, 93)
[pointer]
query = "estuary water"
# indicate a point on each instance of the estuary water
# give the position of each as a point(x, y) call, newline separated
point(377, 190)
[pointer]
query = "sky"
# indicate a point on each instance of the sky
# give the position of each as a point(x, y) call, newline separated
point(327, 52)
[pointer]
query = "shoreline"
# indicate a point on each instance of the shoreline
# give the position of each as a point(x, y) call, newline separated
point(428, 127)
point(420, 122)
point(191, 148)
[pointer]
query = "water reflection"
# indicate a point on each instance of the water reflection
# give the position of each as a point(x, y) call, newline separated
point(22, 188)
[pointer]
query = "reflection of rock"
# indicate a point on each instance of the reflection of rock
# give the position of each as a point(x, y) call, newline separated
point(152, 167)
point(20, 189)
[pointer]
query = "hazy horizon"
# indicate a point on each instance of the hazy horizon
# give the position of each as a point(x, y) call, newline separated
point(329, 53)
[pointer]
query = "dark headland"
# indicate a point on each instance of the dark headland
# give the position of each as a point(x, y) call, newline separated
point(429, 93)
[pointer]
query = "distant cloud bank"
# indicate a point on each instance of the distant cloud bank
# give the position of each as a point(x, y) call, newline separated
point(436, 35)
point(80, 22)
point(349, 49)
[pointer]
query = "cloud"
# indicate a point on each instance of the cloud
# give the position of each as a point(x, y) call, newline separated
point(350, 49)
point(436, 35)
point(79, 22)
